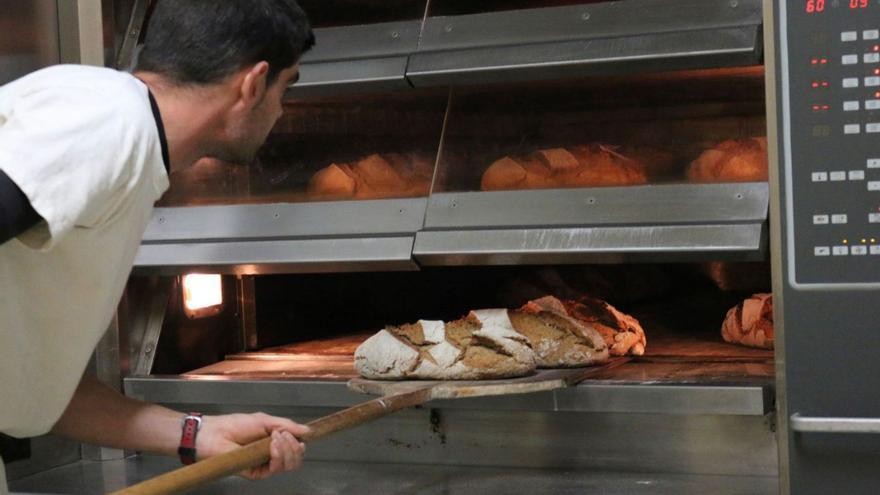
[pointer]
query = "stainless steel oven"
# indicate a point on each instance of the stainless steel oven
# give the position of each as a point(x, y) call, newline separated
point(403, 182)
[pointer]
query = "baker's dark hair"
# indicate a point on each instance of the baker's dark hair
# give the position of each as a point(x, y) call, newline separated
point(204, 41)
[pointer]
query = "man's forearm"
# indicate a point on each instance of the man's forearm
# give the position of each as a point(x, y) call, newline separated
point(98, 415)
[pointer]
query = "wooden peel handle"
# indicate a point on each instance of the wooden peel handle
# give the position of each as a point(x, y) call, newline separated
point(257, 453)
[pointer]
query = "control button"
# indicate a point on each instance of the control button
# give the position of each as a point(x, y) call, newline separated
point(856, 175)
point(820, 219)
point(871, 58)
point(874, 185)
point(872, 128)
point(851, 82)
point(838, 176)
point(873, 162)
point(871, 34)
point(875, 249)
point(840, 250)
point(820, 176)
point(838, 219)
point(859, 250)
point(850, 59)
point(852, 129)
point(849, 106)
point(822, 251)
point(849, 36)
point(872, 104)
point(872, 81)
point(873, 217)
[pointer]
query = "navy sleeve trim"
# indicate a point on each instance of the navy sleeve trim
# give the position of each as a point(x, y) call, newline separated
point(160, 126)
point(16, 213)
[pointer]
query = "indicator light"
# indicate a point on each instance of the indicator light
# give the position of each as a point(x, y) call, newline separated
point(864, 241)
point(845, 241)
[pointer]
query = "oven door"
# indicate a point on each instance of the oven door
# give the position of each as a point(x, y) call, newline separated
point(827, 275)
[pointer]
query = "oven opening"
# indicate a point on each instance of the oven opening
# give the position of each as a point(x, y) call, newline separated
point(307, 327)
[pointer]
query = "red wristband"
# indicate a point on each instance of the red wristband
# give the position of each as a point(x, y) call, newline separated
point(192, 423)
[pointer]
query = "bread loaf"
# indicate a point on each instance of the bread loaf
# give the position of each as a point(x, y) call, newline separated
point(391, 175)
point(734, 160)
point(557, 339)
point(576, 166)
point(483, 345)
point(622, 333)
point(750, 322)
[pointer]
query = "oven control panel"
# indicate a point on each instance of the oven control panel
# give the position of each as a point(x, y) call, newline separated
point(831, 147)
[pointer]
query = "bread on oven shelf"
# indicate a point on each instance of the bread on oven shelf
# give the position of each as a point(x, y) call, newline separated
point(377, 176)
point(750, 322)
point(734, 160)
point(501, 343)
point(574, 166)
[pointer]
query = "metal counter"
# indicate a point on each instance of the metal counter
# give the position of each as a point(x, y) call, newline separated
point(320, 478)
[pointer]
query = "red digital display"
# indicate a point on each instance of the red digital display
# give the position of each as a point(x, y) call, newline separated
point(814, 6)
point(858, 4)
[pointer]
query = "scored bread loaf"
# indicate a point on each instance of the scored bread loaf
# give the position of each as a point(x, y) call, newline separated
point(575, 166)
point(750, 322)
point(482, 345)
point(374, 177)
point(488, 343)
point(621, 332)
point(734, 160)
point(558, 339)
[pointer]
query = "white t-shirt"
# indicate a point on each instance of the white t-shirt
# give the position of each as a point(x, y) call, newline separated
point(83, 145)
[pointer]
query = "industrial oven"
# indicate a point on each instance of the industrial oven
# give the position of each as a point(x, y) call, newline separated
point(255, 282)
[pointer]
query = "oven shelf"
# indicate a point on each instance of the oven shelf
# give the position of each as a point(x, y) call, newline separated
point(679, 222)
point(586, 40)
point(679, 375)
point(337, 236)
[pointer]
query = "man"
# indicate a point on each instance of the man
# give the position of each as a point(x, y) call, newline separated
point(84, 154)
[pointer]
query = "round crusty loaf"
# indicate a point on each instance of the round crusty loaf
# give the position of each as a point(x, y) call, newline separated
point(481, 346)
point(558, 339)
point(750, 322)
point(576, 166)
point(374, 177)
point(734, 160)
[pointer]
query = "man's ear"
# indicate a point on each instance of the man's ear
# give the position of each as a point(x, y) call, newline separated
point(254, 84)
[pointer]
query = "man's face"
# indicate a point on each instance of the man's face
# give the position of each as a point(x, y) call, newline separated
point(249, 130)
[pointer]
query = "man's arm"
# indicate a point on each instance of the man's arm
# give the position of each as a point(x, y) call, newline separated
point(16, 212)
point(98, 415)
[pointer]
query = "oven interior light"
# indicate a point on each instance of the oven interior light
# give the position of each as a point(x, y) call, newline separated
point(202, 291)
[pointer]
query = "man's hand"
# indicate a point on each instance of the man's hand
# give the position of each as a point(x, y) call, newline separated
point(221, 434)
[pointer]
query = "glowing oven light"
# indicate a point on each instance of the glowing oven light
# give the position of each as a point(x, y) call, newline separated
point(202, 291)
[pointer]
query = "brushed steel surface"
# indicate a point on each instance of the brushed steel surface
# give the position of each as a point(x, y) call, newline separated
point(287, 256)
point(636, 205)
point(343, 77)
point(590, 245)
point(807, 424)
point(730, 47)
point(594, 396)
point(345, 478)
point(286, 220)
point(588, 21)
point(570, 41)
